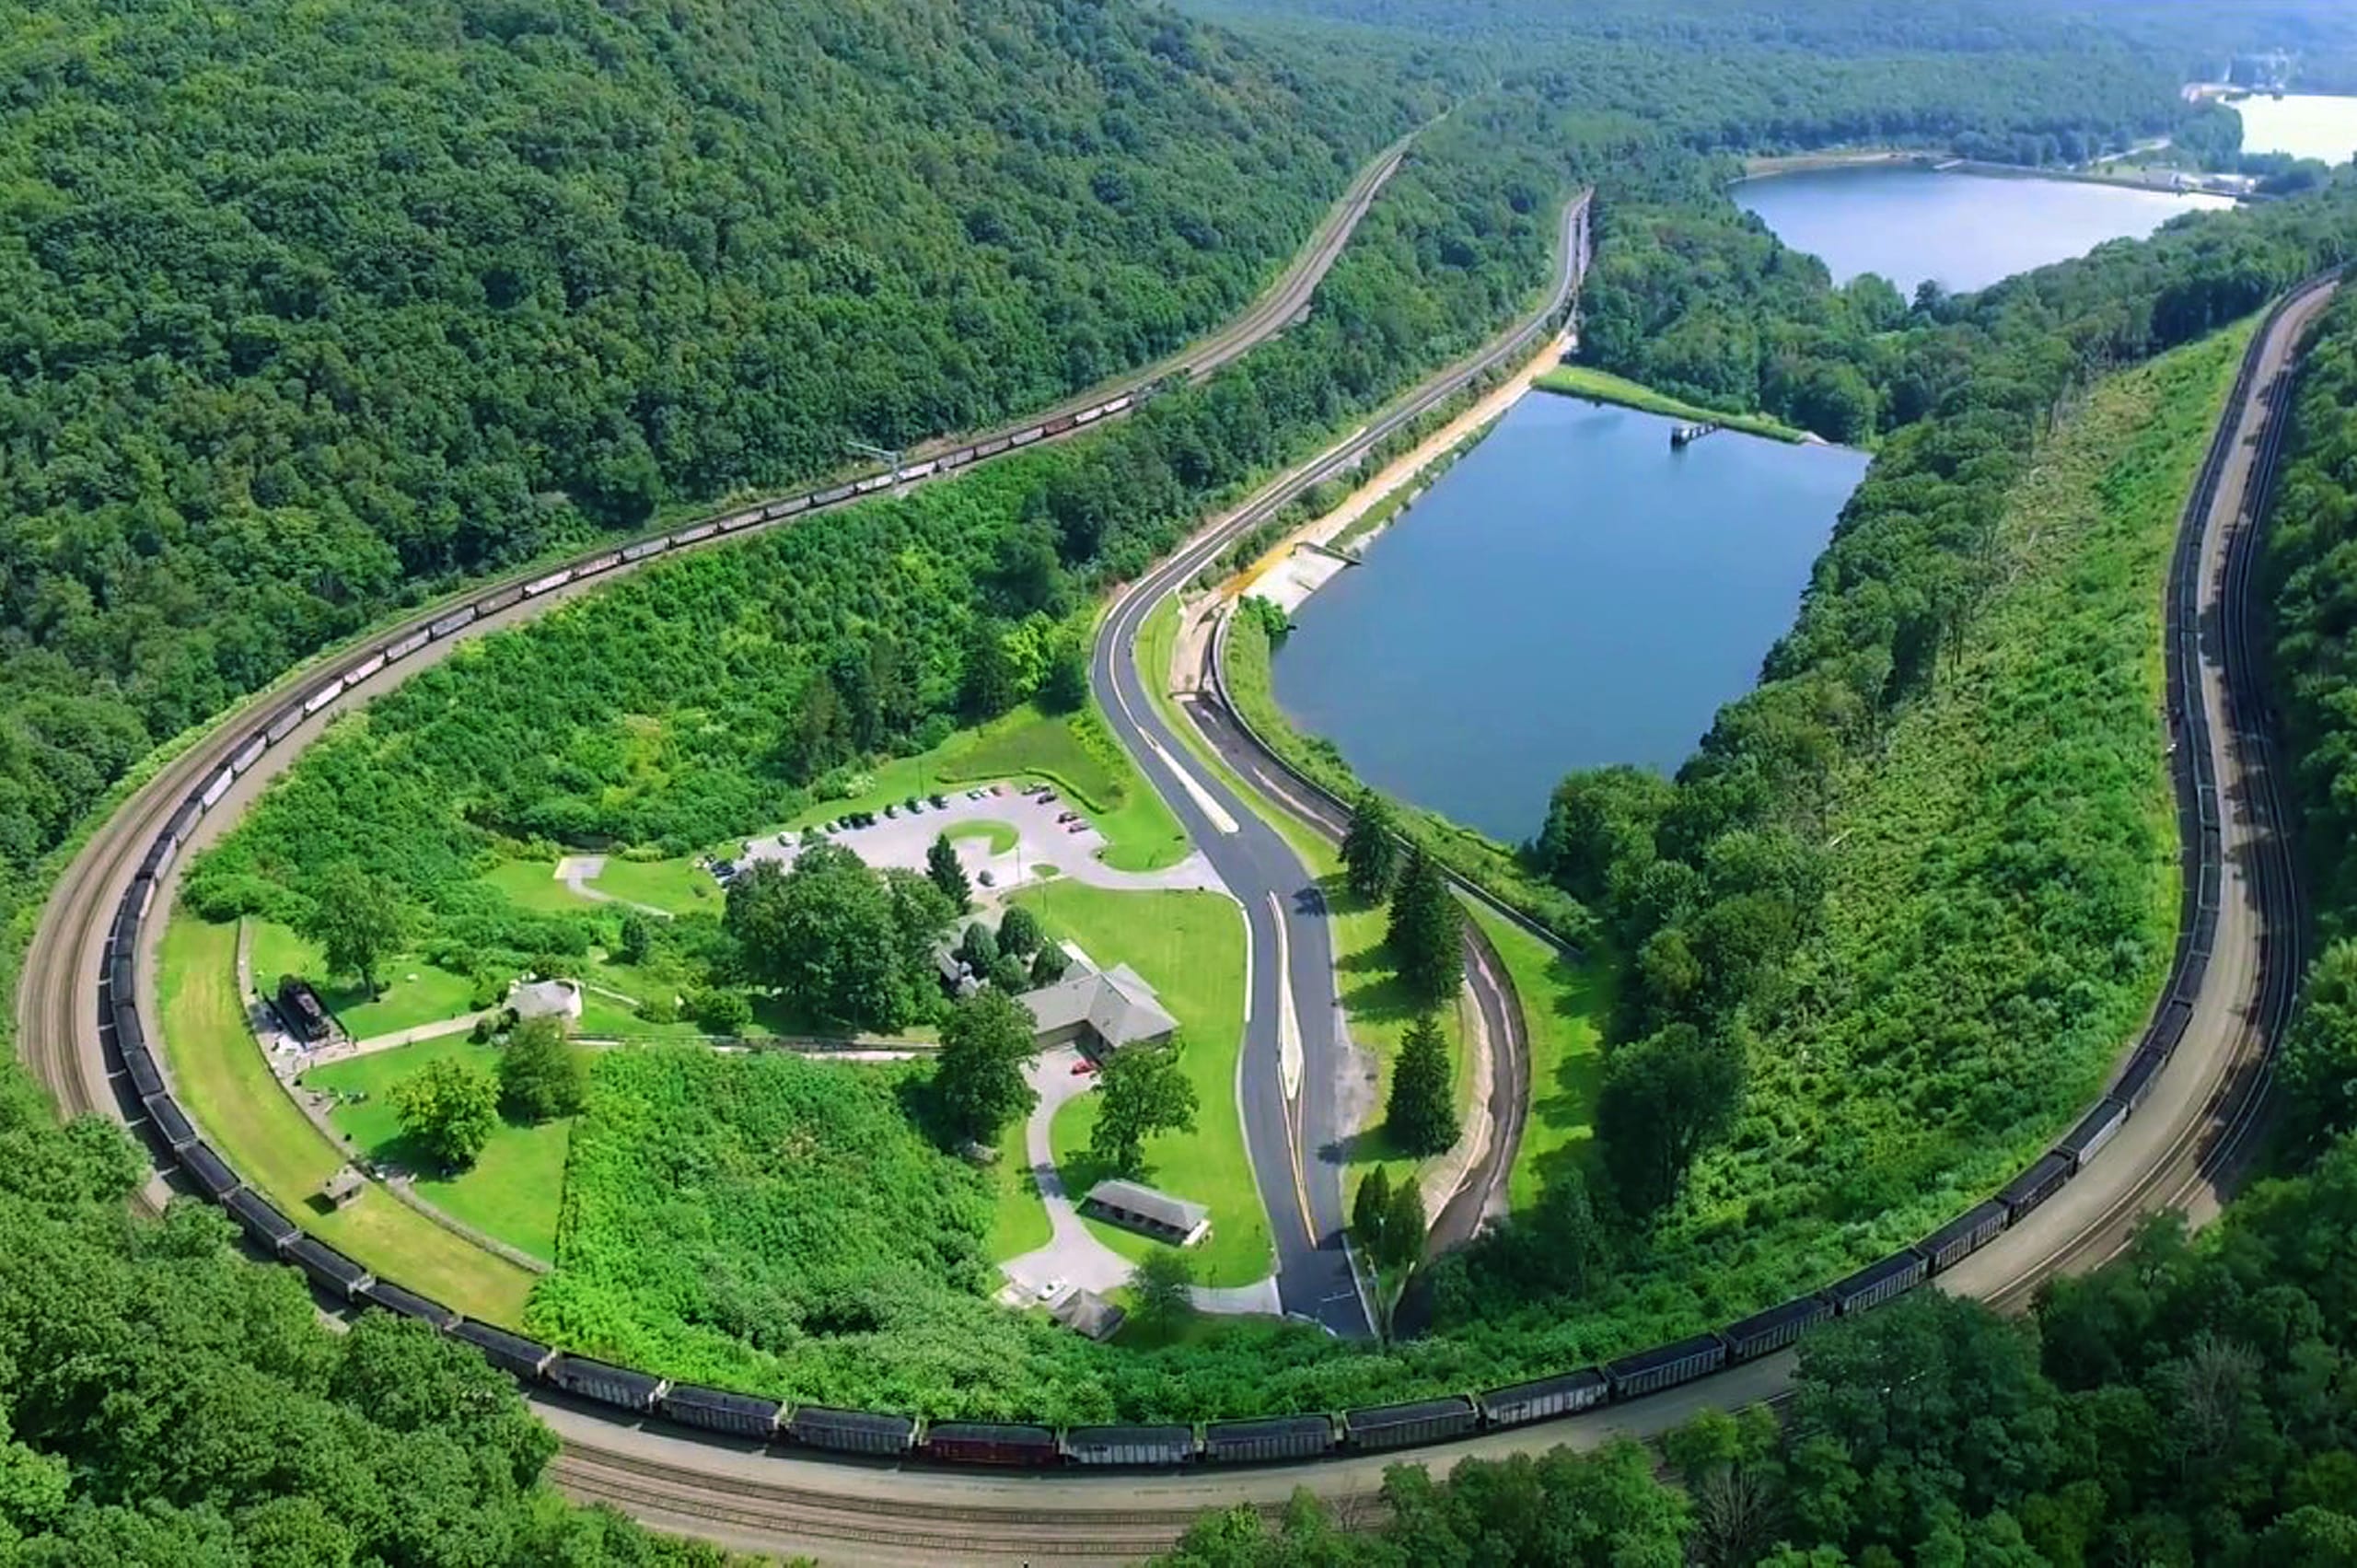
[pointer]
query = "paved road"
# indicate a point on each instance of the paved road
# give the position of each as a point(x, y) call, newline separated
point(1296, 1060)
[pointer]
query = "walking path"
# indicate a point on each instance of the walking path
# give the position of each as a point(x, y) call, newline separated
point(577, 871)
point(1073, 1257)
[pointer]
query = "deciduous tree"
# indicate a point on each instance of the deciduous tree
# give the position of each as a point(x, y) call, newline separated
point(1141, 1091)
point(356, 919)
point(1665, 1098)
point(449, 1109)
point(540, 1073)
point(1163, 1287)
point(977, 1078)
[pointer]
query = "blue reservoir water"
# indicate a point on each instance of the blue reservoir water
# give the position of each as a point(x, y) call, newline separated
point(1966, 231)
point(1572, 593)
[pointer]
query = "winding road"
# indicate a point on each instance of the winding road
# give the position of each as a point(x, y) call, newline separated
point(2177, 1151)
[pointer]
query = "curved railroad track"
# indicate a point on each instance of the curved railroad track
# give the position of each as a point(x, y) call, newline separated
point(2176, 1152)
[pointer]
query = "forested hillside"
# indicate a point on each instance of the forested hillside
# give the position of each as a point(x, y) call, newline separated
point(170, 1403)
point(2025, 82)
point(303, 308)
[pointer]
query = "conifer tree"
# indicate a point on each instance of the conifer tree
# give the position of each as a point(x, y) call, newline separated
point(1421, 1118)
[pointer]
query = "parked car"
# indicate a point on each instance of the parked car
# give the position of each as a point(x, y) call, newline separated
point(941, 803)
point(998, 789)
point(1067, 816)
point(1075, 827)
point(985, 878)
point(892, 811)
point(1084, 1068)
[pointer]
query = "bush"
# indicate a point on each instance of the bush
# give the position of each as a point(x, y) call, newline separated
point(722, 1012)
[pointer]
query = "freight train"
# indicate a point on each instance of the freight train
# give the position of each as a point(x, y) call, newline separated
point(640, 1395)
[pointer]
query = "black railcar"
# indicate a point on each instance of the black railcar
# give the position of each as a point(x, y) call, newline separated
point(329, 1268)
point(404, 1303)
point(1963, 1236)
point(2035, 1185)
point(137, 1060)
point(2137, 1079)
point(513, 1353)
point(851, 1432)
point(718, 1410)
point(172, 1121)
point(1764, 1332)
point(1877, 1283)
point(1261, 1441)
point(1546, 1398)
point(1133, 1446)
point(1404, 1425)
point(208, 1171)
point(1665, 1366)
point(270, 1230)
point(2170, 1029)
point(604, 1382)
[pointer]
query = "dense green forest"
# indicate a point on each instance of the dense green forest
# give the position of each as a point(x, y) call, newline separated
point(170, 1403)
point(2311, 578)
point(309, 311)
point(707, 696)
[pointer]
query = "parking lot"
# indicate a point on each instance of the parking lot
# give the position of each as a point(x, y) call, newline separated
point(1041, 842)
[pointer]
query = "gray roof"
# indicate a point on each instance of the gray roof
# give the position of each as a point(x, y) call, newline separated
point(1134, 1197)
point(1116, 1003)
point(1086, 1312)
point(545, 998)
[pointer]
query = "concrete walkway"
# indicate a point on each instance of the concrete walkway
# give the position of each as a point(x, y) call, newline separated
point(1074, 1259)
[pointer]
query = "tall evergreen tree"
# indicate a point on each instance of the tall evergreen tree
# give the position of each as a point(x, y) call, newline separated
point(1370, 1207)
point(1427, 930)
point(1371, 848)
point(942, 868)
point(1421, 1118)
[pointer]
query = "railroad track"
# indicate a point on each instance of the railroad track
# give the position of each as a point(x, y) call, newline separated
point(885, 1514)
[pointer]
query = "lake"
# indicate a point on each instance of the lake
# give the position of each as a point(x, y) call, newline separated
point(2305, 125)
point(1572, 593)
point(1967, 231)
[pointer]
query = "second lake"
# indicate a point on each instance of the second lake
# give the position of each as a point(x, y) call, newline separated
point(1572, 593)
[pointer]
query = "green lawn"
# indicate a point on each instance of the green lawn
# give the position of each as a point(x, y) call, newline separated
point(997, 837)
point(677, 885)
point(229, 1089)
point(1565, 1006)
point(533, 885)
point(416, 992)
point(1018, 1221)
point(511, 1192)
point(1189, 947)
point(1580, 381)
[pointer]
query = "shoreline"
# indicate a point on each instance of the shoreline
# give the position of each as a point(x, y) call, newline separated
point(1308, 558)
point(2159, 182)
